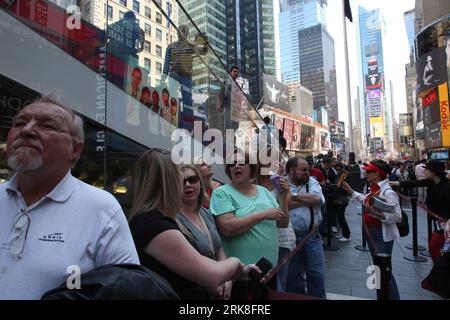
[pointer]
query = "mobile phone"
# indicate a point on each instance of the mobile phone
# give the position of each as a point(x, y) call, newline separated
point(264, 265)
point(275, 179)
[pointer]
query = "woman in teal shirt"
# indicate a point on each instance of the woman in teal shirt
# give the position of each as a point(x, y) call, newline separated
point(247, 215)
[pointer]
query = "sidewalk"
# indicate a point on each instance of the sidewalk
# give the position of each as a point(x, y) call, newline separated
point(346, 268)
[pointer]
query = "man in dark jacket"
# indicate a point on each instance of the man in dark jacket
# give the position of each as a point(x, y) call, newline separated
point(437, 200)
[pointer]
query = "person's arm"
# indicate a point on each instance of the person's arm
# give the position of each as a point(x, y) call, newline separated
point(231, 226)
point(224, 290)
point(313, 198)
point(388, 217)
point(415, 183)
point(447, 230)
point(115, 244)
point(356, 196)
point(170, 247)
point(304, 200)
point(284, 196)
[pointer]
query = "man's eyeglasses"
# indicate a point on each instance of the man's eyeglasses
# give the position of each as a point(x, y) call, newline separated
point(191, 180)
point(304, 170)
point(17, 243)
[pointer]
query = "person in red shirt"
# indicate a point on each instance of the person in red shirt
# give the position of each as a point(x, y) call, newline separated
point(315, 172)
point(381, 228)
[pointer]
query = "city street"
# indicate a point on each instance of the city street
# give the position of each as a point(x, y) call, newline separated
point(346, 275)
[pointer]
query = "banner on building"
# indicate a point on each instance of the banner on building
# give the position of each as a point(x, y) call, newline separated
point(445, 114)
point(376, 130)
point(376, 120)
point(296, 136)
point(374, 94)
point(239, 104)
point(431, 69)
point(276, 94)
point(288, 127)
point(433, 136)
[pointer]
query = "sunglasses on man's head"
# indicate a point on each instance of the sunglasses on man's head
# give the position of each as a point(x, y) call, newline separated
point(191, 180)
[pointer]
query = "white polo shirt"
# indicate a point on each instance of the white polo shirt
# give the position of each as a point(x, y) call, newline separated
point(75, 224)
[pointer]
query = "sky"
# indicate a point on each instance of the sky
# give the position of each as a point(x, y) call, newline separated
point(396, 51)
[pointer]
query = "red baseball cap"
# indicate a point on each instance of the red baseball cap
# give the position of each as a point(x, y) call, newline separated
point(374, 167)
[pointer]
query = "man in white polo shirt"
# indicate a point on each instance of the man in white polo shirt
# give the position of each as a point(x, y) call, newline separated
point(53, 224)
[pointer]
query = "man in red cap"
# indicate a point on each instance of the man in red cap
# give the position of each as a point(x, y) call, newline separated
point(381, 226)
point(437, 200)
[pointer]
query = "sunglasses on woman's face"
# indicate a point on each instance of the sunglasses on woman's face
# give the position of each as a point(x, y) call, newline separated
point(191, 180)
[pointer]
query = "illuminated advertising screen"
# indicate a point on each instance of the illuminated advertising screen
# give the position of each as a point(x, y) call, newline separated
point(374, 94)
point(288, 128)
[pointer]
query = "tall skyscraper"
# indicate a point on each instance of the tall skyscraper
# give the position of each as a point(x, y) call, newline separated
point(210, 17)
point(410, 19)
point(251, 41)
point(375, 93)
point(296, 15)
point(318, 69)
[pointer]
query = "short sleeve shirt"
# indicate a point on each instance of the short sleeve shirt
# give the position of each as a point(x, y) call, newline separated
point(259, 241)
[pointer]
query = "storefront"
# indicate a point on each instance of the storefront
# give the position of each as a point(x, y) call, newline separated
point(433, 74)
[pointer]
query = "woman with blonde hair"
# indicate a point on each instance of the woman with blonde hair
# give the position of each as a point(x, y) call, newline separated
point(160, 244)
point(198, 225)
point(206, 173)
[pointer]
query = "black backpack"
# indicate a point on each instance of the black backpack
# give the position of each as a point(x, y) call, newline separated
point(116, 282)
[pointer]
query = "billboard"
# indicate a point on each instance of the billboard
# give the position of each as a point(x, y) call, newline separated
point(276, 94)
point(296, 136)
point(374, 94)
point(433, 137)
point(445, 114)
point(288, 127)
point(376, 130)
point(431, 69)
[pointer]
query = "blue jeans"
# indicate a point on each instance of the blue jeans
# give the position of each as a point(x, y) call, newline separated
point(312, 258)
point(384, 247)
point(282, 275)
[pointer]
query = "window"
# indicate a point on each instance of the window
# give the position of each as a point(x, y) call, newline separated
point(158, 34)
point(110, 12)
point(148, 46)
point(87, 8)
point(136, 6)
point(158, 68)
point(159, 51)
point(148, 12)
point(123, 2)
point(147, 64)
point(121, 13)
point(148, 29)
point(159, 18)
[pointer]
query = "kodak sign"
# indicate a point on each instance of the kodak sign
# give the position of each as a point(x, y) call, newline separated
point(445, 114)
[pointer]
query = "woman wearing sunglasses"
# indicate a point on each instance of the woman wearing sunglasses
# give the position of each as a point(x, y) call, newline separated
point(161, 245)
point(198, 225)
point(381, 225)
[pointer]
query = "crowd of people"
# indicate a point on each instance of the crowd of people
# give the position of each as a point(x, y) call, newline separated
point(204, 238)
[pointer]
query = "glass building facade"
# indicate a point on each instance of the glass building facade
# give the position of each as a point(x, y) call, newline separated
point(375, 94)
point(100, 69)
point(318, 69)
point(296, 15)
point(251, 41)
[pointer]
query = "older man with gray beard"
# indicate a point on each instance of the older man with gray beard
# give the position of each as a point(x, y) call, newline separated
point(52, 224)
